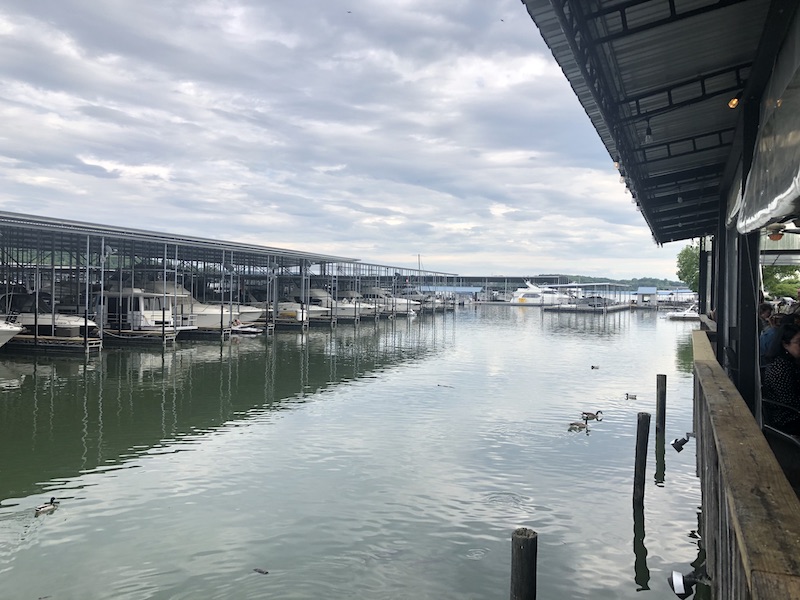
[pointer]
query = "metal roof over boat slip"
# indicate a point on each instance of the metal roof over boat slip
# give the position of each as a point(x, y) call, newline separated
point(42, 233)
point(668, 68)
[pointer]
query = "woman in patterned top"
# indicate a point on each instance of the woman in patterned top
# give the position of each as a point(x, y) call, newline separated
point(782, 381)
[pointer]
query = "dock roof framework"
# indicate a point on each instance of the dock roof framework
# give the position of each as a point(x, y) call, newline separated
point(32, 242)
point(656, 77)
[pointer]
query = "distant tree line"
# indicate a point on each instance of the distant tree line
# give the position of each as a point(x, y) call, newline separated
point(633, 284)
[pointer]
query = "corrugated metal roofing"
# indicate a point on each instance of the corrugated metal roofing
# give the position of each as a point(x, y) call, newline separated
point(669, 66)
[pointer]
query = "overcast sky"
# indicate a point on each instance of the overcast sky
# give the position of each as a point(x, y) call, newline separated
point(370, 129)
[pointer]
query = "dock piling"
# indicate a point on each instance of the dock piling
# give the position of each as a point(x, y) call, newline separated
point(642, 435)
point(661, 403)
point(524, 548)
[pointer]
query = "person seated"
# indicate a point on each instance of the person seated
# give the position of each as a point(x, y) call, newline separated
point(781, 383)
point(764, 313)
point(767, 337)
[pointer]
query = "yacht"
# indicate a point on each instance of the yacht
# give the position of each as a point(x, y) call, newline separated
point(20, 308)
point(389, 303)
point(355, 299)
point(192, 312)
point(323, 298)
point(533, 295)
point(133, 309)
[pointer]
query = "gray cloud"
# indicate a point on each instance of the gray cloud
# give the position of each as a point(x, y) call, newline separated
point(416, 127)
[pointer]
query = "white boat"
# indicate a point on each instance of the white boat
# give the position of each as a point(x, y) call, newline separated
point(323, 298)
point(20, 308)
point(190, 311)
point(301, 312)
point(8, 331)
point(389, 303)
point(358, 302)
point(133, 309)
point(689, 314)
point(533, 295)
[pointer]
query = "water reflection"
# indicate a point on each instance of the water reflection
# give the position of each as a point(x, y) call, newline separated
point(63, 416)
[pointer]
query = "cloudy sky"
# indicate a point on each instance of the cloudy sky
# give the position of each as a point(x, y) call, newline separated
point(385, 131)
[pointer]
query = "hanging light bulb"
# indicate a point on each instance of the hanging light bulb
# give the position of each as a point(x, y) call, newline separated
point(648, 133)
point(617, 163)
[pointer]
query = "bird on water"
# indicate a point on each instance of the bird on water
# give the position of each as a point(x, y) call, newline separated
point(591, 416)
point(45, 508)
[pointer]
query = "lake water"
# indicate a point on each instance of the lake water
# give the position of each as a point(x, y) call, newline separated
point(392, 460)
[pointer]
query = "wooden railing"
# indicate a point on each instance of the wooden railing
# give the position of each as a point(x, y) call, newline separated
point(751, 514)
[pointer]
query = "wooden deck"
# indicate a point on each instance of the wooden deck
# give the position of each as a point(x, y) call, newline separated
point(751, 514)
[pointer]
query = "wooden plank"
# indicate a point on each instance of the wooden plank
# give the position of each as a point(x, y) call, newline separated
point(763, 508)
point(769, 586)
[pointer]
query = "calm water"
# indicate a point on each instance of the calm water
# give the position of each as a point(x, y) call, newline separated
point(388, 461)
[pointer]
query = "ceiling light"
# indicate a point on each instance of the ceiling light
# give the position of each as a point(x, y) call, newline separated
point(648, 133)
point(734, 102)
point(617, 163)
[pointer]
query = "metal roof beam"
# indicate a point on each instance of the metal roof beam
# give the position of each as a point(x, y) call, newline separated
point(692, 91)
point(674, 17)
point(683, 177)
point(687, 146)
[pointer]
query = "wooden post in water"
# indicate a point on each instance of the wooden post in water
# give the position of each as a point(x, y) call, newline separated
point(642, 434)
point(661, 403)
point(524, 546)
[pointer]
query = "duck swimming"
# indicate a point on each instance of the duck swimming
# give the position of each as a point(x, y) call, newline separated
point(48, 507)
point(591, 416)
point(630, 396)
point(576, 426)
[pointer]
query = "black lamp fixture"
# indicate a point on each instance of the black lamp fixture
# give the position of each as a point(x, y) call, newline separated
point(682, 585)
point(679, 443)
point(648, 133)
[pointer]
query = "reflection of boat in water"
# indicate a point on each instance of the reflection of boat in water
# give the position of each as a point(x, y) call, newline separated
point(533, 295)
point(688, 314)
point(21, 308)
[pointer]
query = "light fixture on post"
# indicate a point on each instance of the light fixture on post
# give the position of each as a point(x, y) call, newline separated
point(682, 585)
point(648, 133)
point(734, 102)
point(679, 443)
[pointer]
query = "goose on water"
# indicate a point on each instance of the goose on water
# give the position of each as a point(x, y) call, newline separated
point(45, 508)
point(591, 416)
point(576, 426)
point(630, 396)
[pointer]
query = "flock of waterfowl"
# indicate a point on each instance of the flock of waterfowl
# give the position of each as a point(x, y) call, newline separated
point(587, 416)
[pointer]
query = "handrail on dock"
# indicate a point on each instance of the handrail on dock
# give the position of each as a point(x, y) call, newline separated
point(751, 514)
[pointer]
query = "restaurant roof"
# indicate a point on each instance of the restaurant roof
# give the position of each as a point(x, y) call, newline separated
point(655, 78)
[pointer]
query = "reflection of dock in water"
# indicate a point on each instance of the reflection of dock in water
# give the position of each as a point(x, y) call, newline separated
point(77, 414)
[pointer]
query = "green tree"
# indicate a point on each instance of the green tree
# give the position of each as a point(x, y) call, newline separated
point(780, 280)
point(689, 266)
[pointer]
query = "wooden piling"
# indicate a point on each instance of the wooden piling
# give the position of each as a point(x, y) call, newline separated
point(661, 403)
point(642, 435)
point(524, 547)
